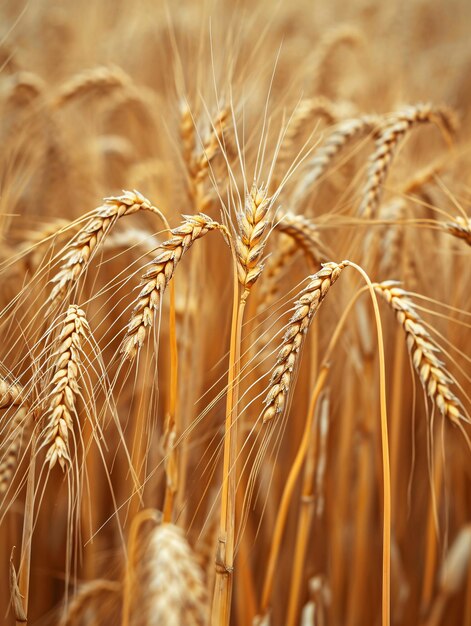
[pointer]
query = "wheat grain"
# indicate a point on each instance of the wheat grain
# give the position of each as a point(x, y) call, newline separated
point(305, 308)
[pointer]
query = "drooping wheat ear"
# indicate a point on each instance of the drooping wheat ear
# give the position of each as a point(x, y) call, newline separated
point(64, 385)
point(305, 233)
point(155, 280)
point(25, 87)
point(78, 252)
point(97, 80)
point(8, 60)
point(305, 308)
point(325, 65)
point(87, 596)
point(460, 227)
point(11, 448)
point(132, 101)
point(12, 395)
point(424, 351)
point(198, 156)
point(391, 132)
point(175, 591)
point(346, 132)
point(308, 110)
point(251, 242)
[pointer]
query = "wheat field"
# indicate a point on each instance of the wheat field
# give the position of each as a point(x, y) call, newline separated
point(235, 314)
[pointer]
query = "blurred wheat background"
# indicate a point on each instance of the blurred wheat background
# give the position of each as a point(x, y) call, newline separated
point(197, 426)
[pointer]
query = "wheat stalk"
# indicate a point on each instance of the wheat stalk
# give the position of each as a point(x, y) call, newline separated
point(64, 387)
point(424, 352)
point(155, 280)
point(12, 395)
point(305, 308)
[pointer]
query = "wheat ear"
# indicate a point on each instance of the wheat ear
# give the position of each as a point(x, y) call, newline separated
point(12, 395)
point(97, 79)
point(176, 595)
point(392, 131)
point(305, 308)
point(65, 387)
point(78, 252)
point(424, 352)
point(460, 227)
point(346, 132)
point(155, 280)
point(324, 66)
point(304, 232)
point(251, 241)
point(306, 111)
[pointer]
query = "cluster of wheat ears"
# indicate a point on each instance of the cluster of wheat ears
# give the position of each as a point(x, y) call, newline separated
point(187, 437)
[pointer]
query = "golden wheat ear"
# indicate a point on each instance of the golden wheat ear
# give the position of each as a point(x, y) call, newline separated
point(460, 227)
point(392, 130)
point(12, 397)
point(424, 353)
point(64, 388)
point(79, 251)
point(174, 586)
point(160, 272)
point(305, 308)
